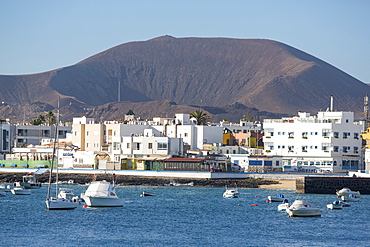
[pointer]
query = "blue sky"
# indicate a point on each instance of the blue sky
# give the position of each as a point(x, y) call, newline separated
point(41, 35)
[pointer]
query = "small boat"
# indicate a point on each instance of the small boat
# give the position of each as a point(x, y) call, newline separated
point(146, 194)
point(347, 192)
point(29, 182)
point(301, 208)
point(68, 194)
point(231, 193)
point(102, 194)
point(284, 205)
point(335, 205)
point(5, 188)
point(62, 200)
point(2, 193)
point(350, 198)
point(20, 191)
point(276, 198)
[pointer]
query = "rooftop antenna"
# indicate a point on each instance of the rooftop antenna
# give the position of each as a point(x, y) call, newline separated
point(331, 103)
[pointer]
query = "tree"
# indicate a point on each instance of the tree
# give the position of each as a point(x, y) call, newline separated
point(50, 118)
point(200, 116)
point(38, 121)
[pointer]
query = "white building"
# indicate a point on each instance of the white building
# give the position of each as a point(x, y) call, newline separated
point(329, 142)
point(5, 137)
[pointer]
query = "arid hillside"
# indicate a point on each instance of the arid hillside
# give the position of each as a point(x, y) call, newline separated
point(200, 72)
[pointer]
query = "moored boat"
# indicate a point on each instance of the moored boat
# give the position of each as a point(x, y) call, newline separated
point(20, 191)
point(284, 205)
point(231, 193)
point(29, 182)
point(301, 208)
point(276, 198)
point(146, 194)
point(102, 194)
point(347, 192)
point(350, 198)
point(334, 205)
point(5, 187)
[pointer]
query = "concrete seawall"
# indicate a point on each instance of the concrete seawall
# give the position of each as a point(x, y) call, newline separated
point(329, 185)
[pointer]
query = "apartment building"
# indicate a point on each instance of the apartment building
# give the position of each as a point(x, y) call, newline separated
point(328, 142)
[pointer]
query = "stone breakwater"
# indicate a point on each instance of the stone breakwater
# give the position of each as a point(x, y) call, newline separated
point(125, 180)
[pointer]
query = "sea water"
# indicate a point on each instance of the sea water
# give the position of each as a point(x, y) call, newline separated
point(182, 216)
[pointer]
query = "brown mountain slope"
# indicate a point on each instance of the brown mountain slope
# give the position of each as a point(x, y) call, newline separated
point(264, 74)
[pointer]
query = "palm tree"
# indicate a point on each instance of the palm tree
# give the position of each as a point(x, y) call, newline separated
point(38, 121)
point(50, 118)
point(200, 116)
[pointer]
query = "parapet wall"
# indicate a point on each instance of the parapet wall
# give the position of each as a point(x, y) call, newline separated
point(329, 185)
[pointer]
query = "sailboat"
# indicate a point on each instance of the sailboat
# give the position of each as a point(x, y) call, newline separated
point(57, 202)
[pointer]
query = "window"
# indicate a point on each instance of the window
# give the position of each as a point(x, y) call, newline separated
point(336, 148)
point(87, 145)
point(345, 149)
point(290, 148)
point(325, 146)
point(355, 149)
point(150, 145)
point(136, 146)
point(162, 146)
point(271, 147)
point(355, 135)
point(336, 134)
point(290, 134)
point(304, 148)
point(128, 145)
point(304, 135)
point(87, 133)
point(346, 135)
point(325, 132)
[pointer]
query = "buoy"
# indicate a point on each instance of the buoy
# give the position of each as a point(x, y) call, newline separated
point(254, 205)
point(255, 196)
point(84, 206)
point(268, 201)
point(238, 204)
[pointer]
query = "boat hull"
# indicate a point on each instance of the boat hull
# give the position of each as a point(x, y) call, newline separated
point(61, 204)
point(21, 192)
point(275, 199)
point(103, 201)
point(304, 213)
point(333, 206)
point(28, 185)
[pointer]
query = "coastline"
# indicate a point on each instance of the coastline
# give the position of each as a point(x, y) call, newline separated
point(282, 184)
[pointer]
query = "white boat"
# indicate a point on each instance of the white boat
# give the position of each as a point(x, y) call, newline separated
point(146, 194)
point(61, 200)
point(301, 208)
point(350, 198)
point(276, 198)
point(29, 182)
point(231, 193)
point(347, 192)
point(67, 194)
point(101, 194)
point(5, 188)
point(20, 191)
point(335, 205)
point(284, 205)
point(2, 193)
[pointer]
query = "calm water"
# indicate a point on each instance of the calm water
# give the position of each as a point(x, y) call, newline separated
point(187, 216)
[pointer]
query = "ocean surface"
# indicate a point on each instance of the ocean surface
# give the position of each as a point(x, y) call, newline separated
point(182, 216)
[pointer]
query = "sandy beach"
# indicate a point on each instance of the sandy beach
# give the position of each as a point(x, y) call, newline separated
point(283, 184)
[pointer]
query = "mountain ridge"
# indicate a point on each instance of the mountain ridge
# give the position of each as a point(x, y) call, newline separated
point(257, 73)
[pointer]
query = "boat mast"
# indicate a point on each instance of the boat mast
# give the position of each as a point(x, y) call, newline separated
point(57, 153)
point(52, 157)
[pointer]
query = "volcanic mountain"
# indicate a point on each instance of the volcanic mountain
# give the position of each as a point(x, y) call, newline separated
point(213, 72)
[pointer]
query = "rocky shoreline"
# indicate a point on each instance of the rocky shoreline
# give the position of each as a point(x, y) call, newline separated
point(124, 180)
